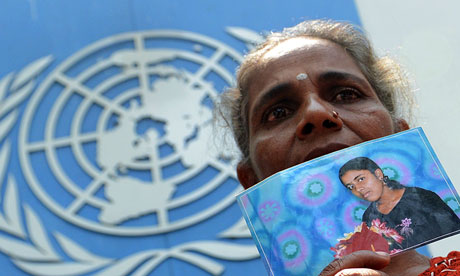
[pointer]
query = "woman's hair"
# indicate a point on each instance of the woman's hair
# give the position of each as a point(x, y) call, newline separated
point(384, 75)
point(364, 163)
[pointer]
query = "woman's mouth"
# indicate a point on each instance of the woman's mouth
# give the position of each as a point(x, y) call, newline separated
point(366, 194)
point(324, 150)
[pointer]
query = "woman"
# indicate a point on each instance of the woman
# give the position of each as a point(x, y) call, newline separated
point(417, 214)
point(310, 90)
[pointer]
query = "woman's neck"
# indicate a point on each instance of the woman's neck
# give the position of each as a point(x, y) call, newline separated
point(389, 199)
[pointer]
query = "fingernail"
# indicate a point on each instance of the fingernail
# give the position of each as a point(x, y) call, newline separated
point(381, 253)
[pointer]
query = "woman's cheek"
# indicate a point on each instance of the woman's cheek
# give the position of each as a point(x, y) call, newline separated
point(357, 194)
point(370, 123)
point(269, 155)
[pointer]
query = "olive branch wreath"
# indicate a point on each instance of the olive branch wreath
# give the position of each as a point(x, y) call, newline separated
point(31, 249)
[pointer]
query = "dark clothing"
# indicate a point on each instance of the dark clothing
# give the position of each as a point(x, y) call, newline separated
point(419, 216)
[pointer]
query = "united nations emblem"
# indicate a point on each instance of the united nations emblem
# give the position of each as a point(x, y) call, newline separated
point(118, 140)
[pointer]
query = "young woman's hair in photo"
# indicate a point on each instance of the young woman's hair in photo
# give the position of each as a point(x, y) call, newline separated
point(384, 74)
point(364, 163)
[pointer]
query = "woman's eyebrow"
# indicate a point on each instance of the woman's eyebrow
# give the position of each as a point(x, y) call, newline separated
point(354, 179)
point(271, 93)
point(329, 76)
point(340, 76)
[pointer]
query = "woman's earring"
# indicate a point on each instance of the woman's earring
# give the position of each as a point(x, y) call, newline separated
point(335, 114)
point(385, 180)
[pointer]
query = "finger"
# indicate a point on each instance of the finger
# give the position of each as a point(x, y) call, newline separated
point(358, 259)
point(360, 272)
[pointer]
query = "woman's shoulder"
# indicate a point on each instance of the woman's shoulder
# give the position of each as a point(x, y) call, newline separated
point(426, 197)
point(419, 192)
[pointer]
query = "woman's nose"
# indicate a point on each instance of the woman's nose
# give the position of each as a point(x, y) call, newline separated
point(317, 117)
point(358, 187)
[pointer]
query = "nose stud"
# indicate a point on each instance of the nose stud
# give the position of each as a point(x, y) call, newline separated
point(335, 114)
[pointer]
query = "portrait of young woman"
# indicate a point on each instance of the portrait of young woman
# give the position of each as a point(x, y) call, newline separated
point(419, 215)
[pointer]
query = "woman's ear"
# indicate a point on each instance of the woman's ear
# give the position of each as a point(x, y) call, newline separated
point(246, 174)
point(401, 125)
point(378, 173)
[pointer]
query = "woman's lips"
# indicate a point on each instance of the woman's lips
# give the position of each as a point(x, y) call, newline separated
point(324, 150)
point(366, 195)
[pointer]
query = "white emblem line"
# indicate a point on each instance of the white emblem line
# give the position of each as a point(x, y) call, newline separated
point(72, 85)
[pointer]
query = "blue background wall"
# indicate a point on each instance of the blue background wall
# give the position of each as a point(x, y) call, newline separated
point(30, 30)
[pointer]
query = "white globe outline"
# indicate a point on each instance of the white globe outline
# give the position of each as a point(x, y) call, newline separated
point(49, 142)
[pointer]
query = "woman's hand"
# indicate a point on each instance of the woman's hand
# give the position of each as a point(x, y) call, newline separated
point(362, 262)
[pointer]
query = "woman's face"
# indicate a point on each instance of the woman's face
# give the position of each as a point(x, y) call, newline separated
point(291, 118)
point(364, 184)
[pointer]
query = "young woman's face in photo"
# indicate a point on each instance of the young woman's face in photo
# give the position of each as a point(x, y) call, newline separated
point(363, 184)
point(293, 102)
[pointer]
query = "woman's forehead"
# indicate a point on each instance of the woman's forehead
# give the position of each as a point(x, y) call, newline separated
point(307, 55)
point(303, 53)
point(353, 174)
point(301, 43)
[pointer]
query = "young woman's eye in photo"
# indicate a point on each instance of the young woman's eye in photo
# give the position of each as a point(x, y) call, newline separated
point(347, 95)
point(361, 179)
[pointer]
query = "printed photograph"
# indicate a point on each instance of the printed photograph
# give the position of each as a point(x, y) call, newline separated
point(389, 194)
point(398, 216)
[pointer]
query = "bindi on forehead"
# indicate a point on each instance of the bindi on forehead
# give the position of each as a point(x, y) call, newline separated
point(302, 76)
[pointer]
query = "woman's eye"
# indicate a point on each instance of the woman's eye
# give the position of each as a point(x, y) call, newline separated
point(347, 95)
point(277, 113)
point(360, 179)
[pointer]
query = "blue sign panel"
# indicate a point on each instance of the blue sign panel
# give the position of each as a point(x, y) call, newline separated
point(107, 162)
